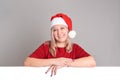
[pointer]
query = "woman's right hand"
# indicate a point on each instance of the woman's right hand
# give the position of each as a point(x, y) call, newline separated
point(53, 69)
point(59, 63)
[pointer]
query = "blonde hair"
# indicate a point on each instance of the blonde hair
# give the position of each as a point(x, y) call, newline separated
point(53, 45)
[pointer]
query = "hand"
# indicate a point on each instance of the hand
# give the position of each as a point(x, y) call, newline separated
point(63, 61)
point(59, 63)
point(53, 69)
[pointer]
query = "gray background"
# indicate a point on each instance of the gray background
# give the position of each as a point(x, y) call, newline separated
point(24, 25)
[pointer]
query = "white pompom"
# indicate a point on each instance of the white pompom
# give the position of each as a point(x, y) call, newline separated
point(72, 34)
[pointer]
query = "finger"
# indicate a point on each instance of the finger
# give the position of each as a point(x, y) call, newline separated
point(55, 70)
point(52, 71)
point(49, 69)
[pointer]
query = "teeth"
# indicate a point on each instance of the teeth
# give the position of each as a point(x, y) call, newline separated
point(61, 37)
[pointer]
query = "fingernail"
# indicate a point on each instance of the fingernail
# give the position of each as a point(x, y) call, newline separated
point(51, 75)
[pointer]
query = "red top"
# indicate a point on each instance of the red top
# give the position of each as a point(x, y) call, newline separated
point(43, 52)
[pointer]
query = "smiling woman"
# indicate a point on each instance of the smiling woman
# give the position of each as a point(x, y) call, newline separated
point(60, 51)
point(60, 33)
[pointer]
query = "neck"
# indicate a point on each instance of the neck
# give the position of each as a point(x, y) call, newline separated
point(61, 44)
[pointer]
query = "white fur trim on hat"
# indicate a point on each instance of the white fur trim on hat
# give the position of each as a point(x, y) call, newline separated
point(72, 34)
point(58, 20)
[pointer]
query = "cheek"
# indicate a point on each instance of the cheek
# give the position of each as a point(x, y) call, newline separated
point(66, 32)
point(54, 34)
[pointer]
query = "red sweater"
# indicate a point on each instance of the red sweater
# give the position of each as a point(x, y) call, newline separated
point(43, 52)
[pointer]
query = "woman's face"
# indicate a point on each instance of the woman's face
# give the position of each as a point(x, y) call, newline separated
point(60, 33)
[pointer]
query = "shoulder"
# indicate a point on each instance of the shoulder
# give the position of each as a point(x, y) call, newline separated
point(45, 44)
point(75, 45)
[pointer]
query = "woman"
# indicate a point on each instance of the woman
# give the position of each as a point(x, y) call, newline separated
point(60, 51)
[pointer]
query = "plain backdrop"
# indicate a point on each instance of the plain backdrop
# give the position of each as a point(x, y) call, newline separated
point(25, 25)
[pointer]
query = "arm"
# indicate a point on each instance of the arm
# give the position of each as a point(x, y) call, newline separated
point(80, 62)
point(47, 62)
point(83, 62)
point(83, 58)
point(35, 62)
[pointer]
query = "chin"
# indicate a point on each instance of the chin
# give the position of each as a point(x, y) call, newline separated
point(61, 41)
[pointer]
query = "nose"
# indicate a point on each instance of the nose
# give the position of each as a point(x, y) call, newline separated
point(59, 32)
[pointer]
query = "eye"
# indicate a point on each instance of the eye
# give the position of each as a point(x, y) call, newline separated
point(54, 30)
point(62, 28)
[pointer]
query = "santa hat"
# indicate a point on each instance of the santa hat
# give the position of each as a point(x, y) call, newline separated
point(61, 18)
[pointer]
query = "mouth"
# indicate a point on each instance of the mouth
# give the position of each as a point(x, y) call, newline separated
point(61, 36)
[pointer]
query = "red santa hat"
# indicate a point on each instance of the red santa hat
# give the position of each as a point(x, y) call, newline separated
point(61, 18)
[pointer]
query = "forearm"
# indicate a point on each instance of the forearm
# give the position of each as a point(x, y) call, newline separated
point(38, 62)
point(47, 62)
point(83, 62)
